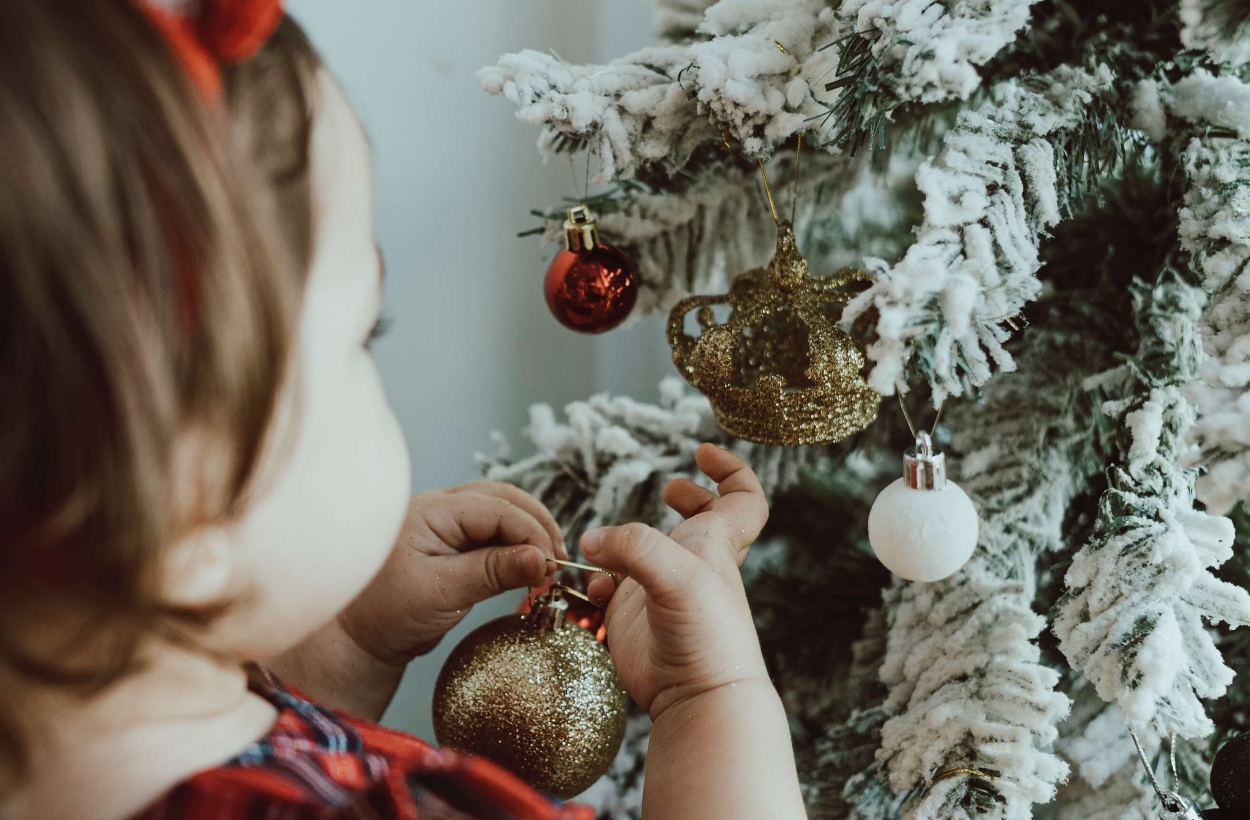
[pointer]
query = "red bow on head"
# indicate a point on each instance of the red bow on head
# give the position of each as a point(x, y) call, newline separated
point(223, 32)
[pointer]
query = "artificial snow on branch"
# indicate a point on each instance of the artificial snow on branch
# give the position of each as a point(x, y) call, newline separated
point(1132, 618)
point(933, 49)
point(757, 73)
point(1215, 231)
point(749, 78)
point(609, 463)
point(1219, 27)
point(988, 198)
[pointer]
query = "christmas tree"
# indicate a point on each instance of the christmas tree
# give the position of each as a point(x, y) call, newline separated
point(1053, 202)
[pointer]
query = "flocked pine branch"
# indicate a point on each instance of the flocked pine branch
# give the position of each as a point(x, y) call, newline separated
point(1215, 231)
point(749, 78)
point(934, 49)
point(756, 74)
point(609, 462)
point(1107, 781)
point(1138, 593)
point(1219, 27)
point(989, 197)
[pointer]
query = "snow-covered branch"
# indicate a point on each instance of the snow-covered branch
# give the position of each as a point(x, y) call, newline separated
point(1218, 27)
point(989, 197)
point(756, 72)
point(609, 462)
point(934, 49)
point(967, 685)
point(1215, 231)
point(1132, 619)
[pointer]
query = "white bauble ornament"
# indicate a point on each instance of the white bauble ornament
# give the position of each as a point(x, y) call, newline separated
point(923, 527)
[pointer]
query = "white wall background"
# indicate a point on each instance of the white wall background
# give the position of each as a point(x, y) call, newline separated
point(472, 344)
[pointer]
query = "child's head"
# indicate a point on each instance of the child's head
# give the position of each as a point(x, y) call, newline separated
point(194, 443)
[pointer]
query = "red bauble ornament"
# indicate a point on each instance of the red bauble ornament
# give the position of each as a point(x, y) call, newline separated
point(590, 286)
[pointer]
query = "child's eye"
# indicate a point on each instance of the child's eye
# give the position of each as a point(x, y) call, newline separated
point(380, 329)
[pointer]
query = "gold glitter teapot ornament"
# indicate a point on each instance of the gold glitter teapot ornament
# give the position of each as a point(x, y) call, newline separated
point(779, 370)
point(537, 694)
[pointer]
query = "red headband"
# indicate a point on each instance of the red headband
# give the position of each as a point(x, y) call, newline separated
point(222, 33)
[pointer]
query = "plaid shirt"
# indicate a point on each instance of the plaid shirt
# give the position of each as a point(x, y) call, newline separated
point(319, 764)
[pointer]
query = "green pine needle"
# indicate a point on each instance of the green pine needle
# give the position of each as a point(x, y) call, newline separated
point(867, 97)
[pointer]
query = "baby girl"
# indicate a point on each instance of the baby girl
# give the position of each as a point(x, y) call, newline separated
point(211, 572)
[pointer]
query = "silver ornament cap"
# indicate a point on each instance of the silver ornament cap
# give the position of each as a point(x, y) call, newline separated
point(1176, 807)
point(923, 467)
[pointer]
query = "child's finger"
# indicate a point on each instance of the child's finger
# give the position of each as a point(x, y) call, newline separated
point(687, 498)
point(526, 502)
point(742, 501)
point(467, 520)
point(472, 577)
point(662, 566)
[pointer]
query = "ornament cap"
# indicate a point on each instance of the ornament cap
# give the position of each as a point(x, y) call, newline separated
point(1176, 807)
point(550, 611)
point(581, 231)
point(924, 468)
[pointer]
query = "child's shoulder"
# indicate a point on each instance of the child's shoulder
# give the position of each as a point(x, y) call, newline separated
point(318, 763)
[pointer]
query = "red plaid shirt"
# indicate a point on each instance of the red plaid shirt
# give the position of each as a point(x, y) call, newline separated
point(319, 764)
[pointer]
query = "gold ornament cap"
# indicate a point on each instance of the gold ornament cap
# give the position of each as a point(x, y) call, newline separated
point(779, 370)
point(581, 230)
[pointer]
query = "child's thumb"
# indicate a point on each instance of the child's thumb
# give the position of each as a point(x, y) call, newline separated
point(660, 564)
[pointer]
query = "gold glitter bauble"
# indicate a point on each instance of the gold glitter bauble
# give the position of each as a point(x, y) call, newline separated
point(779, 370)
point(537, 695)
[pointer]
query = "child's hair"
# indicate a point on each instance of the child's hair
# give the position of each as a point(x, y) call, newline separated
point(148, 288)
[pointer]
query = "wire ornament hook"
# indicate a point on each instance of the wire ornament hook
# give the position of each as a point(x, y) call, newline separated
point(907, 417)
point(1175, 806)
point(568, 590)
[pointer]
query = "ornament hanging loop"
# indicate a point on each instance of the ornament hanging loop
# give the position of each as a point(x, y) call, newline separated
point(1175, 807)
point(907, 418)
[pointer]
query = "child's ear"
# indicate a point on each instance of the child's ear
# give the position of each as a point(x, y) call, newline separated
point(196, 571)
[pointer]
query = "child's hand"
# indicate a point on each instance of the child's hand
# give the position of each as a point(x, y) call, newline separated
point(683, 641)
point(679, 625)
point(458, 547)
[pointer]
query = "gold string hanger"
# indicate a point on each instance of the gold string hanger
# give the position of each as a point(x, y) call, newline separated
point(581, 198)
point(588, 568)
point(768, 189)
